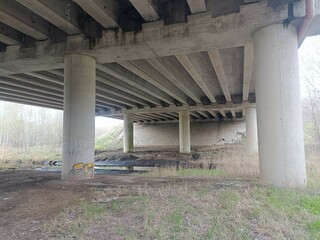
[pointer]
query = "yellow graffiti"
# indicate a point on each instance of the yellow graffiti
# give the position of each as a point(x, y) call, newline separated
point(82, 169)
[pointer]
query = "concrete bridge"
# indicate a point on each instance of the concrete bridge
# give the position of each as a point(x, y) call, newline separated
point(162, 61)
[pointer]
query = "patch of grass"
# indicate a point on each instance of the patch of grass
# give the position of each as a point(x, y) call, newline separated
point(312, 204)
point(92, 209)
point(112, 139)
point(314, 227)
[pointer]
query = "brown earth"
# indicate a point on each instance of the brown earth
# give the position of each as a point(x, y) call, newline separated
point(28, 198)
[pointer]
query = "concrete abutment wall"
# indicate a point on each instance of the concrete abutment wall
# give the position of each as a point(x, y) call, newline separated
point(201, 133)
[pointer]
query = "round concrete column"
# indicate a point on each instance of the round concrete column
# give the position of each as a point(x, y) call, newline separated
point(279, 112)
point(184, 131)
point(78, 117)
point(251, 130)
point(128, 132)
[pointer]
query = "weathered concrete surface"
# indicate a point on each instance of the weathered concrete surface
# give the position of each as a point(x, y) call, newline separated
point(78, 118)
point(201, 133)
point(128, 133)
point(184, 131)
point(279, 112)
point(251, 130)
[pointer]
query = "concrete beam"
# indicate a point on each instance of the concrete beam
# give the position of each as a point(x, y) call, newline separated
point(17, 17)
point(62, 14)
point(197, 6)
point(170, 109)
point(213, 113)
point(163, 87)
point(116, 93)
point(185, 62)
point(29, 85)
point(215, 59)
point(137, 83)
point(29, 92)
point(9, 36)
point(126, 89)
point(45, 78)
point(31, 104)
point(147, 9)
point(247, 69)
point(157, 64)
point(110, 102)
point(223, 113)
point(104, 12)
point(204, 114)
point(233, 113)
point(24, 100)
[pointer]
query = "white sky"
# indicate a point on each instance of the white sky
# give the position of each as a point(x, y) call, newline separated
point(308, 52)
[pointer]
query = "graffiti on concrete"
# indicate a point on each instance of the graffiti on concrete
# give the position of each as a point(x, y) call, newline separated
point(82, 169)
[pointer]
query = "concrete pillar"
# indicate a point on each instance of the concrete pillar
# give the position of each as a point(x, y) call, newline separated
point(128, 132)
point(279, 111)
point(78, 117)
point(251, 130)
point(184, 131)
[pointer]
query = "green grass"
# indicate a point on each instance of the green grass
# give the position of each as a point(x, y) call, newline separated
point(110, 140)
point(92, 210)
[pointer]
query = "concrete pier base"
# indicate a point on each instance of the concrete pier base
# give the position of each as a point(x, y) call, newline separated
point(184, 131)
point(78, 117)
point(251, 130)
point(279, 112)
point(128, 132)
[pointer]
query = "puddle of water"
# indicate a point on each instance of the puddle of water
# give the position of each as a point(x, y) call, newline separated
point(100, 169)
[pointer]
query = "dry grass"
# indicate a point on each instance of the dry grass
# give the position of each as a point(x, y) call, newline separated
point(223, 203)
point(199, 204)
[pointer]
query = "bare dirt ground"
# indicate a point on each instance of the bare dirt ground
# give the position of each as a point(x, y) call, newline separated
point(28, 199)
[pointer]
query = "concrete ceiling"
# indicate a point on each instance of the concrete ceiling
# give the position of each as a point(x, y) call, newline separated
point(152, 59)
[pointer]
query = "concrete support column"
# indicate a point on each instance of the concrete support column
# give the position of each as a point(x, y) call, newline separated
point(78, 117)
point(251, 130)
point(184, 131)
point(128, 133)
point(279, 111)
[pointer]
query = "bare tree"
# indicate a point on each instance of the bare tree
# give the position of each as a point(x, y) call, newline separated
point(311, 96)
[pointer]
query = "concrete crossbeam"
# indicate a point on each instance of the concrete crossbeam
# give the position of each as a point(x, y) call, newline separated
point(62, 14)
point(146, 8)
point(170, 109)
point(155, 39)
point(103, 11)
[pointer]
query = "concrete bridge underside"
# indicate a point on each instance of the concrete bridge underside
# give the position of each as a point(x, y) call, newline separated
point(162, 61)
